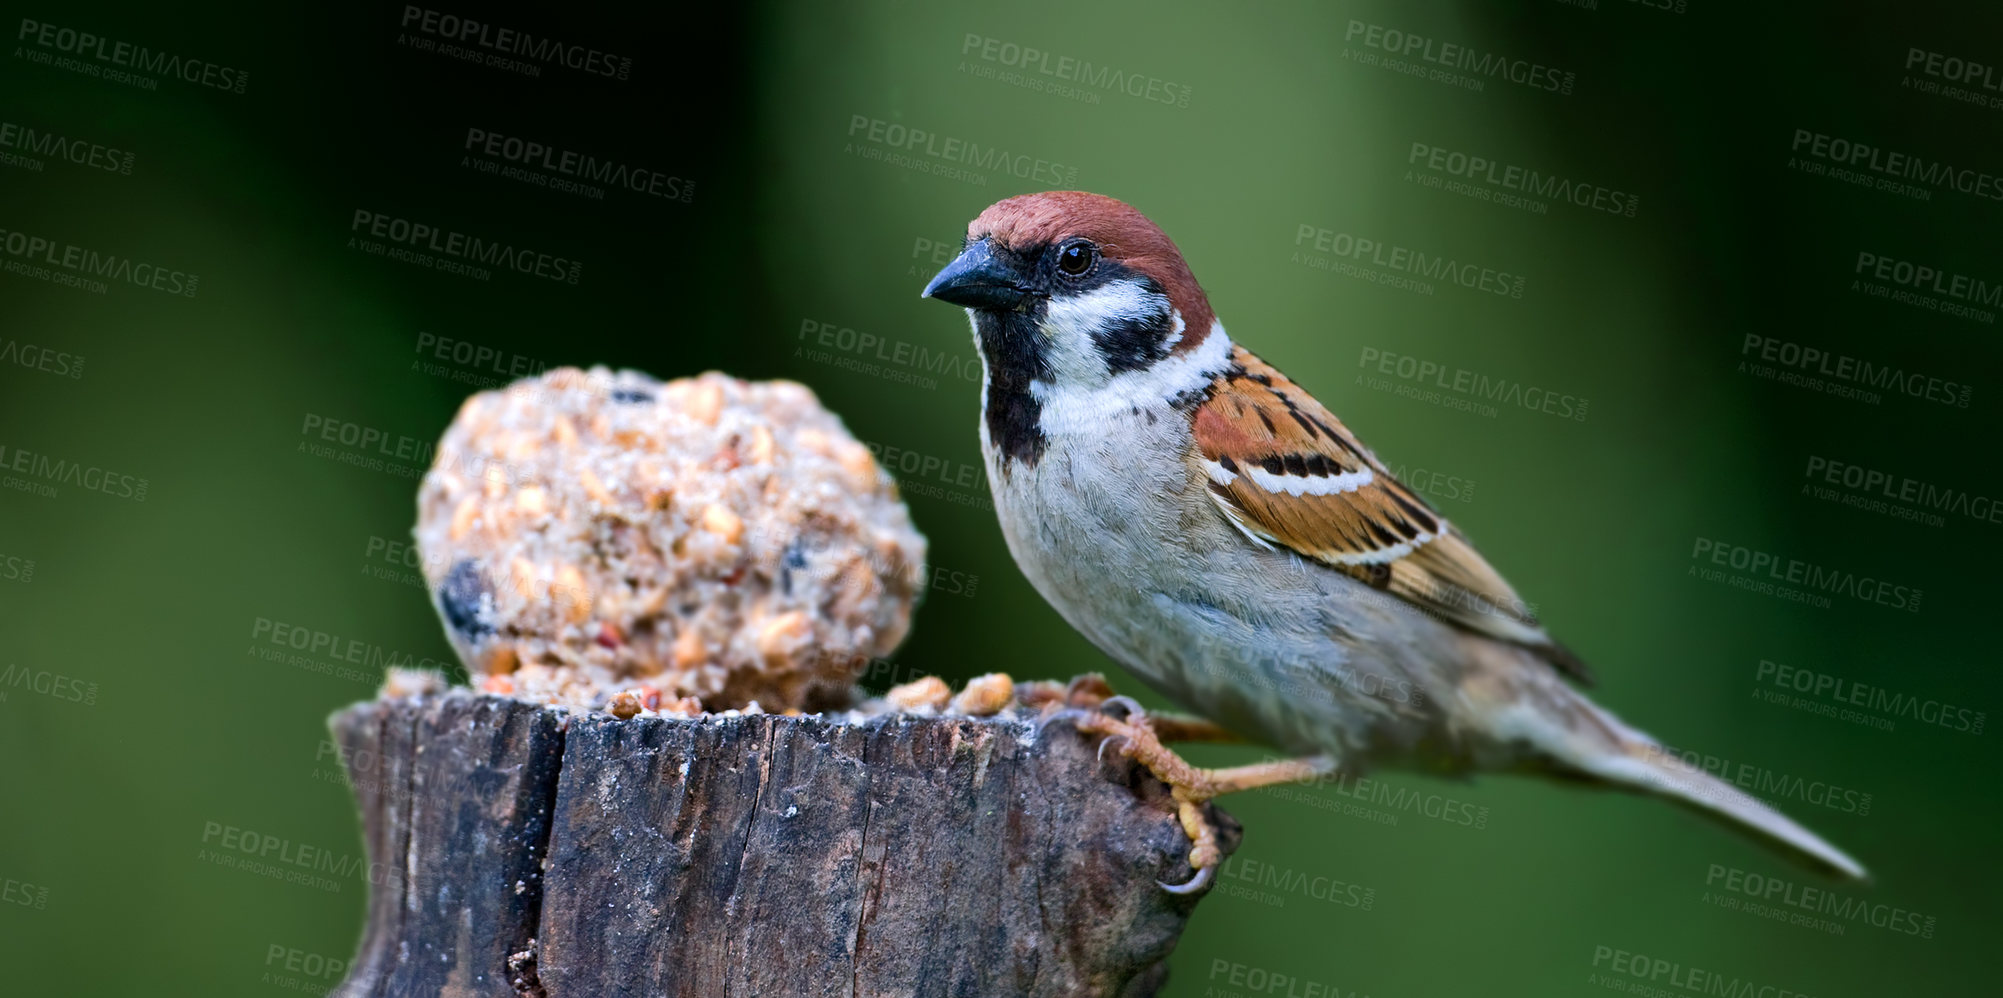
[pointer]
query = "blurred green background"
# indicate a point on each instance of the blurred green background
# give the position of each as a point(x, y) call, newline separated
point(139, 723)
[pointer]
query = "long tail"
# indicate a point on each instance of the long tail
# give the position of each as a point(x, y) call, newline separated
point(1526, 705)
point(1640, 763)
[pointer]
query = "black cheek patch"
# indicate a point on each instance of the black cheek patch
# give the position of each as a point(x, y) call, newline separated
point(459, 599)
point(1133, 344)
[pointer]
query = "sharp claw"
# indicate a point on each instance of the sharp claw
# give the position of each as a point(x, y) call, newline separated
point(1129, 707)
point(1196, 883)
point(1108, 740)
point(1071, 714)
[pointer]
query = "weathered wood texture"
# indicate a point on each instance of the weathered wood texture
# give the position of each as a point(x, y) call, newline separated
point(533, 851)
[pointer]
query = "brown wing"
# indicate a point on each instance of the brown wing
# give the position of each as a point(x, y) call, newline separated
point(1286, 472)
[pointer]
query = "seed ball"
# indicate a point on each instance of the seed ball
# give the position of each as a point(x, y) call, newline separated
point(718, 540)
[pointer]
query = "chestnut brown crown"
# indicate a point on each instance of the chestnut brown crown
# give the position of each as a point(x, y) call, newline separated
point(1122, 233)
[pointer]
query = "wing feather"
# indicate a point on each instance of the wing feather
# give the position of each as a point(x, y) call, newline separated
point(1286, 472)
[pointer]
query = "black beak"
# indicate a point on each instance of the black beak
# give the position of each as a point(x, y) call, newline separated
point(979, 279)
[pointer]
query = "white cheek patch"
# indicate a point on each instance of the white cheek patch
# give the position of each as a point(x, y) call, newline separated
point(1118, 303)
point(1071, 324)
point(1070, 408)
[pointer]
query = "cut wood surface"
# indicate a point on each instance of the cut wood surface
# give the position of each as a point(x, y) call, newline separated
point(536, 851)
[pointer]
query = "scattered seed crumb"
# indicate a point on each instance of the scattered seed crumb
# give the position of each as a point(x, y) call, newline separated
point(985, 695)
point(401, 682)
point(928, 694)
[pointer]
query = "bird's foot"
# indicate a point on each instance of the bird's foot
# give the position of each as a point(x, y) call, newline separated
point(1125, 725)
point(1136, 735)
point(1088, 692)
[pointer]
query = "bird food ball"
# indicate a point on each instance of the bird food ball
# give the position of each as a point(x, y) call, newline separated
point(707, 541)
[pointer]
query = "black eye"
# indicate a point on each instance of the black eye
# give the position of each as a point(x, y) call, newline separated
point(1075, 257)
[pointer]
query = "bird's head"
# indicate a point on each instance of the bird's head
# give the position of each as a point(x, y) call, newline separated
point(1073, 289)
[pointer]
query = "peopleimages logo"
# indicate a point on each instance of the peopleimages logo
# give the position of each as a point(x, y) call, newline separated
point(1869, 484)
point(948, 149)
point(1771, 785)
point(287, 859)
point(1405, 260)
point(1509, 177)
point(1821, 370)
point(1475, 62)
point(831, 336)
point(421, 237)
point(125, 55)
point(329, 653)
point(1290, 881)
point(1932, 280)
point(1815, 578)
point(500, 42)
point(61, 471)
point(298, 961)
point(1938, 174)
point(1080, 71)
point(23, 893)
point(41, 358)
point(1954, 69)
point(26, 141)
point(1840, 691)
point(1637, 973)
point(367, 439)
point(1472, 386)
point(570, 165)
point(31, 251)
point(1820, 901)
point(14, 568)
point(1261, 981)
point(1396, 799)
point(49, 684)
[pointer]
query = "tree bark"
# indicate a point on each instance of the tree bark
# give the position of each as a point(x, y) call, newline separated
point(522, 850)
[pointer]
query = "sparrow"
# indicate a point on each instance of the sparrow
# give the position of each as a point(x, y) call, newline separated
point(1218, 532)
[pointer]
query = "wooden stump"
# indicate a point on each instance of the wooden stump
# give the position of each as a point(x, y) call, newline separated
point(534, 851)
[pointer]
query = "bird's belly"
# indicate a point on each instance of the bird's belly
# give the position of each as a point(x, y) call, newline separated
point(1160, 582)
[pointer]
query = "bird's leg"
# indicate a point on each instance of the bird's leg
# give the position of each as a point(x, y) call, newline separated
point(1190, 728)
point(1191, 786)
point(1088, 692)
